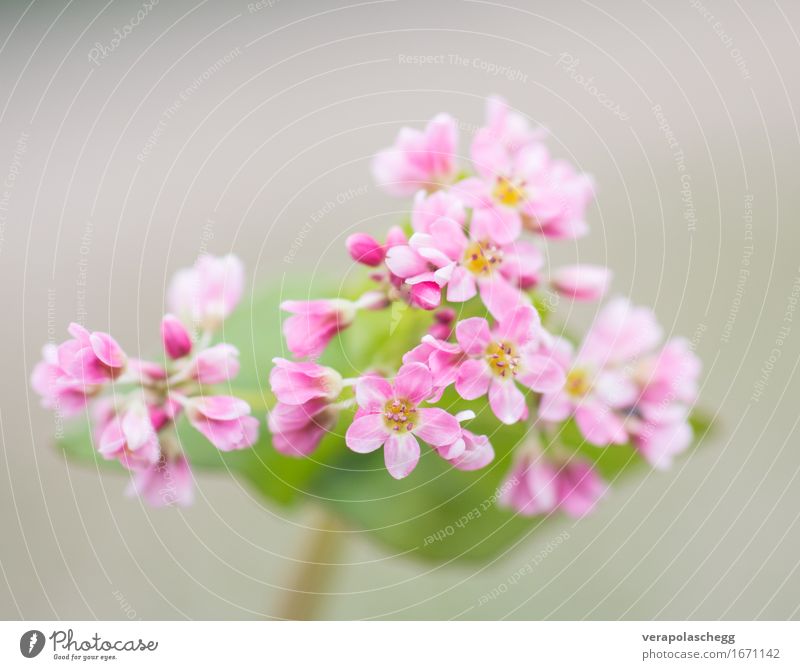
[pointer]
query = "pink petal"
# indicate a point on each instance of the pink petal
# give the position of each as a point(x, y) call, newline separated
point(659, 444)
point(506, 401)
point(499, 296)
point(221, 407)
point(600, 425)
point(555, 406)
point(367, 433)
point(404, 262)
point(473, 379)
point(437, 427)
point(497, 223)
point(477, 454)
point(461, 285)
point(372, 392)
point(519, 326)
point(413, 382)
point(542, 373)
point(401, 454)
point(582, 282)
point(473, 335)
point(107, 350)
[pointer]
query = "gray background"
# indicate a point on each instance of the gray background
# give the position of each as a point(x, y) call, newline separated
point(309, 91)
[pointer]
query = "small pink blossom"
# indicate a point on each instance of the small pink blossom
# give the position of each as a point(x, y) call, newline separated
point(130, 438)
point(297, 383)
point(503, 356)
point(659, 443)
point(468, 266)
point(469, 451)
point(668, 382)
point(58, 390)
point(365, 249)
point(165, 483)
point(224, 420)
point(617, 388)
point(390, 416)
point(442, 358)
point(216, 364)
point(538, 486)
point(430, 207)
point(316, 322)
point(419, 159)
point(177, 340)
point(206, 294)
point(91, 358)
point(506, 133)
point(297, 429)
point(582, 282)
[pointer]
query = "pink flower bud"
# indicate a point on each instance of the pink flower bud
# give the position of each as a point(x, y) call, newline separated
point(426, 295)
point(297, 430)
point(582, 282)
point(177, 341)
point(224, 420)
point(365, 249)
point(216, 364)
point(296, 383)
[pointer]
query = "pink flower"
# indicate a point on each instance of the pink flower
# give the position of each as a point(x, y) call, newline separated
point(297, 429)
point(57, 389)
point(501, 357)
point(390, 415)
point(668, 382)
point(207, 293)
point(418, 159)
point(165, 483)
point(599, 388)
point(216, 364)
point(130, 438)
point(430, 207)
point(659, 443)
point(525, 188)
point(316, 322)
point(442, 358)
point(582, 282)
point(365, 249)
point(91, 358)
point(467, 266)
point(297, 383)
point(506, 133)
point(595, 395)
point(469, 451)
point(538, 486)
point(224, 420)
point(177, 340)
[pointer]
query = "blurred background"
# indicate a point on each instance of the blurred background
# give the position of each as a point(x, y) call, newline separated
point(135, 136)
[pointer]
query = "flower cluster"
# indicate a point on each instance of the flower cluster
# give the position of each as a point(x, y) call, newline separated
point(135, 403)
point(475, 233)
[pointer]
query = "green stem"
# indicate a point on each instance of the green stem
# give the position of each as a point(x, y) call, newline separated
point(315, 569)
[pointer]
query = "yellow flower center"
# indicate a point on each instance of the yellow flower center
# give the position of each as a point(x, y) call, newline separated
point(482, 258)
point(507, 192)
point(578, 382)
point(502, 359)
point(400, 415)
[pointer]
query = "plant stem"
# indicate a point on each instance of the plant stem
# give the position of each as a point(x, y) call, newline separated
point(315, 569)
